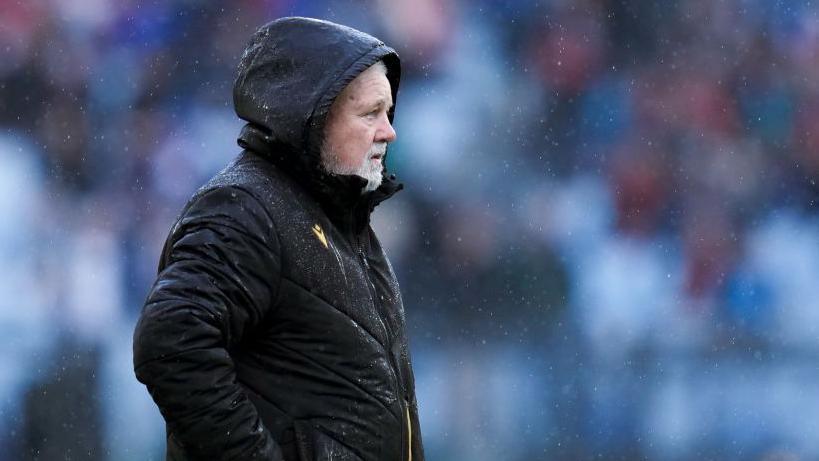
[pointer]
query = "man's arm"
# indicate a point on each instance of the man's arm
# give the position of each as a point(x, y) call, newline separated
point(221, 274)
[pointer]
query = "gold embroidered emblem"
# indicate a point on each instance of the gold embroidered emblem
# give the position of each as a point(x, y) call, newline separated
point(320, 234)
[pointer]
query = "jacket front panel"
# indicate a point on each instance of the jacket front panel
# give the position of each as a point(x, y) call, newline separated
point(335, 330)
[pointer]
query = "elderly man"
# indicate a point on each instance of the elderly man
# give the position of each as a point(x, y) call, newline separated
point(275, 329)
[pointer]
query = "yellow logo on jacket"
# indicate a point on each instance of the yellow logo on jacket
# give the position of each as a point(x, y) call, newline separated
point(320, 234)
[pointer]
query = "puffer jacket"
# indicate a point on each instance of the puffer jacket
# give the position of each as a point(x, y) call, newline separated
point(275, 329)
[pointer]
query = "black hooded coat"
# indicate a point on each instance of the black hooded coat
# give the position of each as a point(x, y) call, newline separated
point(275, 329)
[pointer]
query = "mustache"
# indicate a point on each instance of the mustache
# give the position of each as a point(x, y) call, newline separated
point(379, 148)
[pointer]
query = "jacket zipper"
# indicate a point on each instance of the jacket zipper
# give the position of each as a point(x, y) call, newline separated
point(373, 293)
point(390, 338)
point(409, 430)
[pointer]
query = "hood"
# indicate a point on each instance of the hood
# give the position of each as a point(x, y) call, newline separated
point(288, 77)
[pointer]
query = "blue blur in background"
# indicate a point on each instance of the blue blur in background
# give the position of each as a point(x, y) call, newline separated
point(608, 243)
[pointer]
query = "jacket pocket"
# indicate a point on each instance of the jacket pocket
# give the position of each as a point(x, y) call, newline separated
point(314, 443)
point(174, 450)
point(279, 423)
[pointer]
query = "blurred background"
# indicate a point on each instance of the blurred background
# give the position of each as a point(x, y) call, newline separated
point(608, 243)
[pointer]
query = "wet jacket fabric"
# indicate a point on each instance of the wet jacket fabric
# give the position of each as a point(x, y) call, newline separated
point(275, 329)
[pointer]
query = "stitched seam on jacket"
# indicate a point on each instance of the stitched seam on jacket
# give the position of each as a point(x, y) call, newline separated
point(177, 354)
point(326, 432)
point(319, 364)
point(262, 396)
point(308, 292)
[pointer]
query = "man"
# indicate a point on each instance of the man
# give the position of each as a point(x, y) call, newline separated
point(275, 329)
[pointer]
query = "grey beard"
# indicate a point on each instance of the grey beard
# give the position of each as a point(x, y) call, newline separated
point(368, 170)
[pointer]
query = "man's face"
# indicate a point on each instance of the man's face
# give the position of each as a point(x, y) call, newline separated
point(358, 130)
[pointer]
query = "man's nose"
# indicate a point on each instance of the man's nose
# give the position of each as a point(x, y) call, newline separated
point(386, 133)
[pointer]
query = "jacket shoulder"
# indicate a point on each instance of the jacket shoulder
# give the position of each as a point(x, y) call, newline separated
point(249, 172)
point(279, 194)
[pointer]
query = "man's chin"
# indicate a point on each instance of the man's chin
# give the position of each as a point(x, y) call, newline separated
point(372, 184)
point(374, 177)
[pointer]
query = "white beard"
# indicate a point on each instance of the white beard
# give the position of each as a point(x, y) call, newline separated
point(367, 169)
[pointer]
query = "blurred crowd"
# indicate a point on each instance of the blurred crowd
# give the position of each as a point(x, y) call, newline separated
point(608, 243)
